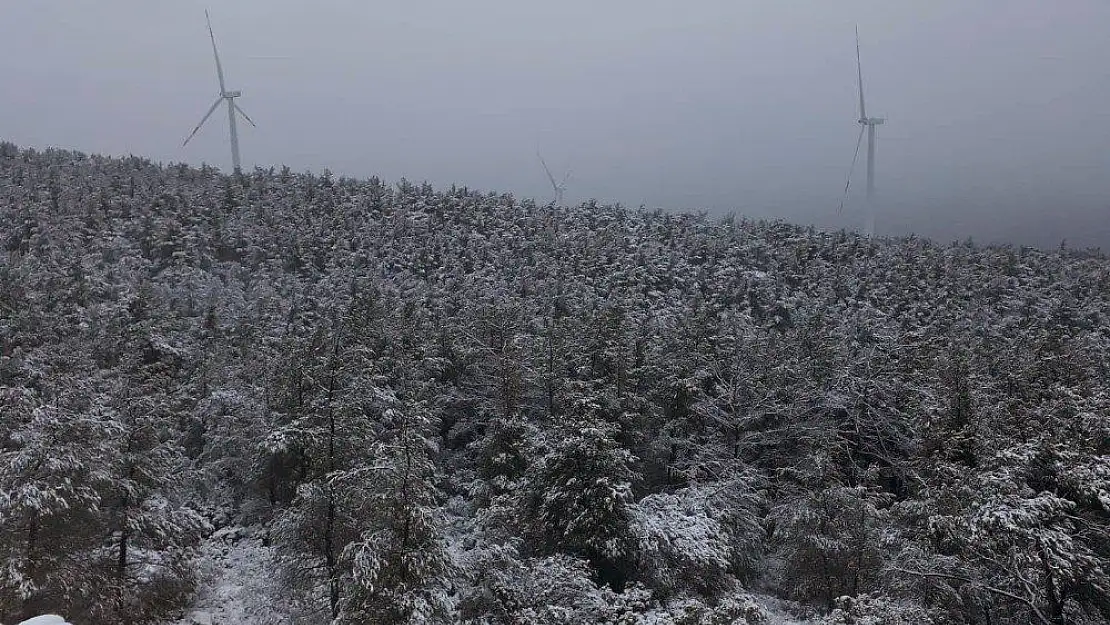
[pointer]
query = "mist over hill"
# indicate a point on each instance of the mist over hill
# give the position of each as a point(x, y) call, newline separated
point(284, 397)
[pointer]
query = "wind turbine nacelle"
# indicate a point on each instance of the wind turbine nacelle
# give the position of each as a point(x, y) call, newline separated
point(232, 94)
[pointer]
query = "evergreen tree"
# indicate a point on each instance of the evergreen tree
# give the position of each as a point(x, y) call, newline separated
point(576, 500)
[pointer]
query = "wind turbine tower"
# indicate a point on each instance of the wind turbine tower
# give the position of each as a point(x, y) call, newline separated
point(869, 124)
point(227, 96)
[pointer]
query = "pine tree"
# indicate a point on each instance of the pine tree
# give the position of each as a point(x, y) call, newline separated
point(576, 499)
point(398, 563)
point(54, 468)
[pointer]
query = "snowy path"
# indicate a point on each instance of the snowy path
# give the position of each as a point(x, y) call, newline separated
point(235, 582)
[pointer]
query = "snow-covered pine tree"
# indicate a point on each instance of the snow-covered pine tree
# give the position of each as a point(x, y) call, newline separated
point(55, 466)
point(399, 562)
point(576, 499)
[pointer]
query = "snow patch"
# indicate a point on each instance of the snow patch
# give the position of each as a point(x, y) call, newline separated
point(45, 619)
point(236, 582)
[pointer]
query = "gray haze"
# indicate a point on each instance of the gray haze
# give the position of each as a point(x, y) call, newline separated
point(998, 112)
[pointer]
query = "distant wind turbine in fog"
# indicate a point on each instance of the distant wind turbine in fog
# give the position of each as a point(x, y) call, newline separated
point(868, 124)
point(558, 187)
point(225, 96)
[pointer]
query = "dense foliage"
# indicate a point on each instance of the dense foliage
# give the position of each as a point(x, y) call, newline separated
point(445, 406)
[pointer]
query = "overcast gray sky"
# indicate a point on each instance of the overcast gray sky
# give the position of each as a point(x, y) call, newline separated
point(998, 111)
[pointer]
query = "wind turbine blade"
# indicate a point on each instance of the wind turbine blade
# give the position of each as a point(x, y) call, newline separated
point(855, 157)
point(215, 53)
point(203, 119)
point(859, 72)
point(554, 185)
point(245, 116)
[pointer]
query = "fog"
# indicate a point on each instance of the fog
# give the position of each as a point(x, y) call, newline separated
point(998, 113)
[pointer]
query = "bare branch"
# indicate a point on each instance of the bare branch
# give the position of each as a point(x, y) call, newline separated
point(991, 589)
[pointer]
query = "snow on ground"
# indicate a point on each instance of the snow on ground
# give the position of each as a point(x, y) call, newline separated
point(45, 619)
point(236, 582)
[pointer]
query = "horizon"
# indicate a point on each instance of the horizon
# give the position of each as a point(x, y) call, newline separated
point(538, 201)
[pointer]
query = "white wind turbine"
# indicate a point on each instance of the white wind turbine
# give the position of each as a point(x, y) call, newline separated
point(225, 96)
point(558, 187)
point(869, 124)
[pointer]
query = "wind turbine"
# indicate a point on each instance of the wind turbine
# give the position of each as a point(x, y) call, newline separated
point(225, 96)
point(558, 187)
point(869, 124)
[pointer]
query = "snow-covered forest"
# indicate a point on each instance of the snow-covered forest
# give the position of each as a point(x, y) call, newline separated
point(384, 403)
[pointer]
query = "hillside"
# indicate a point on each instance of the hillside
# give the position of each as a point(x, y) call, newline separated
point(421, 406)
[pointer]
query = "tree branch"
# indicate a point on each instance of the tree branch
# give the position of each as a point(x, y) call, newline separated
point(991, 589)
